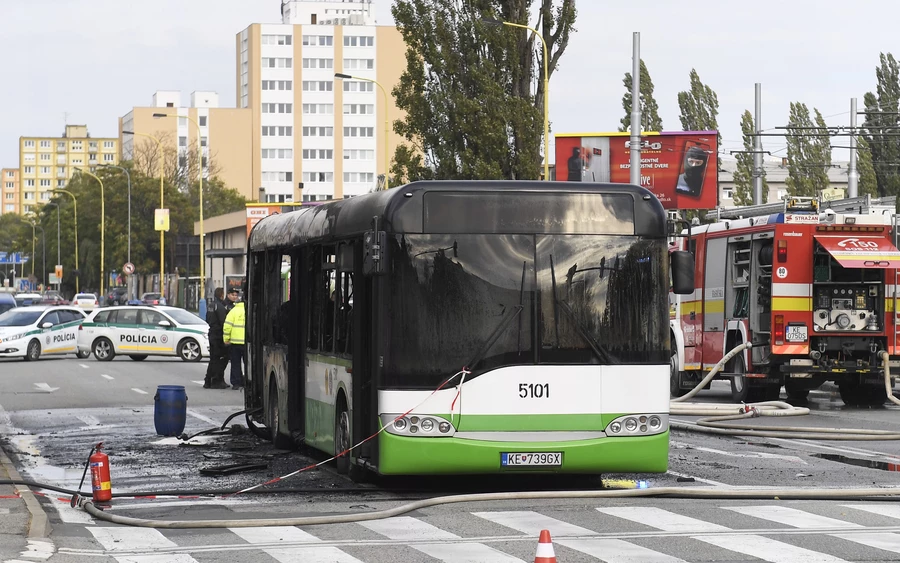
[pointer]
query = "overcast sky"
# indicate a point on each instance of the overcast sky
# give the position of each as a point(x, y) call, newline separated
point(91, 61)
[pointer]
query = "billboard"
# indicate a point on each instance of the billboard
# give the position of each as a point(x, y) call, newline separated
point(680, 167)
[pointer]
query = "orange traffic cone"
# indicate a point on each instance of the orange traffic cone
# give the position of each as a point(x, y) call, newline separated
point(545, 552)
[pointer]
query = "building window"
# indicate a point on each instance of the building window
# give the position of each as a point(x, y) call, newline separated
point(728, 194)
point(358, 86)
point(278, 176)
point(45, 170)
point(358, 41)
point(109, 144)
point(277, 131)
point(317, 177)
point(359, 131)
point(10, 174)
point(278, 153)
point(29, 144)
point(28, 170)
point(92, 145)
point(182, 141)
point(318, 40)
point(359, 154)
point(318, 154)
point(10, 185)
point(359, 177)
point(326, 109)
point(317, 86)
point(60, 170)
point(10, 196)
point(318, 63)
point(45, 144)
point(60, 183)
point(61, 146)
point(45, 156)
point(318, 131)
point(202, 141)
point(29, 183)
point(45, 183)
point(109, 157)
point(202, 120)
point(359, 64)
point(276, 40)
point(29, 196)
point(359, 109)
point(28, 157)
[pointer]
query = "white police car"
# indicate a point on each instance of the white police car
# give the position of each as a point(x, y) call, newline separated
point(30, 332)
point(141, 331)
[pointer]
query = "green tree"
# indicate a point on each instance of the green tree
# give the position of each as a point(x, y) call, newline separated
point(881, 128)
point(743, 172)
point(808, 151)
point(469, 112)
point(868, 181)
point(699, 106)
point(650, 119)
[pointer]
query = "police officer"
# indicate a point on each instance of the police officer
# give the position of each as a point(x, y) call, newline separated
point(218, 352)
point(233, 335)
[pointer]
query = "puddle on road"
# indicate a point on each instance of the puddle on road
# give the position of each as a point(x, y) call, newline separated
point(870, 463)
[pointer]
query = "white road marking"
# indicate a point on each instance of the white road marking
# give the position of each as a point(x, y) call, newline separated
point(205, 419)
point(39, 549)
point(764, 455)
point(408, 528)
point(198, 381)
point(756, 546)
point(85, 366)
point(136, 390)
point(88, 420)
point(137, 539)
point(889, 510)
point(71, 515)
point(276, 534)
point(609, 550)
point(106, 376)
point(45, 387)
point(701, 479)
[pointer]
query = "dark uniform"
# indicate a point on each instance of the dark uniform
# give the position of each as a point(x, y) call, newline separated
point(218, 352)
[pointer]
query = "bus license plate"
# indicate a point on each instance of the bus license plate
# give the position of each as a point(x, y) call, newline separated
point(546, 459)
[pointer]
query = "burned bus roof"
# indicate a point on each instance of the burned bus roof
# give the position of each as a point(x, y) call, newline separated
point(401, 210)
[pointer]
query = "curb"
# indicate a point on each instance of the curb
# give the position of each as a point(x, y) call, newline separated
point(39, 526)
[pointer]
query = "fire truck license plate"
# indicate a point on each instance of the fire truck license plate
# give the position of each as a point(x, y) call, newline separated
point(795, 334)
point(520, 459)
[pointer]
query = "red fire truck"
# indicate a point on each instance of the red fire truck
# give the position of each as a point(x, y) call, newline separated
point(812, 287)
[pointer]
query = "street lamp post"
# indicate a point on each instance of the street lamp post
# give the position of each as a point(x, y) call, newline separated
point(491, 21)
point(58, 253)
point(33, 237)
point(43, 254)
point(387, 158)
point(127, 175)
point(75, 201)
point(202, 243)
point(162, 233)
point(102, 229)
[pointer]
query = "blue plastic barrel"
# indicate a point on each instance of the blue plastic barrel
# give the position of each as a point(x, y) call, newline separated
point(170, 410)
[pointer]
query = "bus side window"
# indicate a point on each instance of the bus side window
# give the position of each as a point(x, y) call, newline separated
point(315, 304)
point(345, 314)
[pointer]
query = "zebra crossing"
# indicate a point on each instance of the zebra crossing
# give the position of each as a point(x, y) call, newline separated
point(778, 532)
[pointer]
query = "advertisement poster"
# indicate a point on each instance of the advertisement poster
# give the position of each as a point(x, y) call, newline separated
point(256, 212)
point(680, 168)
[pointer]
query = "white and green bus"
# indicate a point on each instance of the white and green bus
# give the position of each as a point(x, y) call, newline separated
point(473, 326)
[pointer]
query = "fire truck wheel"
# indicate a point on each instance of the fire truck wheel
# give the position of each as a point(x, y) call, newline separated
point(857, 395)
point(741, 392)
point(675, 377)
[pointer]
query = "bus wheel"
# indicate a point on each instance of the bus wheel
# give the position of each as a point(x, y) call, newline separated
point(274, 418)
point(342, 437)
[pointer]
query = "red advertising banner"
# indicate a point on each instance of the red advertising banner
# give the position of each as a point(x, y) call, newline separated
point(680, 168)
point(257, 212)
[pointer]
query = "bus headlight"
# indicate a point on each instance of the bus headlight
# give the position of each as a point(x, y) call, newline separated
point(444, 427)
point(400, 424)
point(638, 425)
point(417, 425)
point(427, 425)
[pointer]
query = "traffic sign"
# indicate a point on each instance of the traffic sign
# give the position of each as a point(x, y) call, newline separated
point(128, 268)
point(161, 220)
point(59, 271)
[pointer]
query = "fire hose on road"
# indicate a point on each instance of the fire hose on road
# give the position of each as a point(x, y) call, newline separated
point(720, 414)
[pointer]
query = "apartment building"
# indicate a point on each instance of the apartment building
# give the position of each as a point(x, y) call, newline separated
point(9, 180)
point(315, 137)
point(223, 134)
point(46, 163)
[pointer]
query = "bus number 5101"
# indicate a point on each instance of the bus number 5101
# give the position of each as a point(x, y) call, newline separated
point(534, 390)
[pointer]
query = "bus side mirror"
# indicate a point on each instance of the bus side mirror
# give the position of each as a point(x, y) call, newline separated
point(682, 263)
point(374, 253)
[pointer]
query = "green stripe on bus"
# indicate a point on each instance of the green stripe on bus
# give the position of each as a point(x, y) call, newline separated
point(402, 455)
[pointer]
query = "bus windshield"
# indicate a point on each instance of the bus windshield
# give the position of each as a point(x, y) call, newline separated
point(484, 301)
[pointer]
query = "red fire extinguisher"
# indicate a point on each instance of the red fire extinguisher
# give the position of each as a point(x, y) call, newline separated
point(100, 482)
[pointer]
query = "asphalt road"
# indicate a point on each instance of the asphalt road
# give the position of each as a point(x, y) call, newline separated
point(53, 411)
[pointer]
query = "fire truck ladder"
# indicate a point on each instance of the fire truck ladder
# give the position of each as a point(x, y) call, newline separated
point(864, 205)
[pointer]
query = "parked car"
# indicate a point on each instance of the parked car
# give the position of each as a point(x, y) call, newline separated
point(153, 299)
point(53, 298)
point(26, 299)
point(87, 301)
point(117, 296)
point(141, 331)
point(7, 302)
point(30, 332)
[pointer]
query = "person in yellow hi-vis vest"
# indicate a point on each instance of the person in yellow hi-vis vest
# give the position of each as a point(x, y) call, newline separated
point(233, 336)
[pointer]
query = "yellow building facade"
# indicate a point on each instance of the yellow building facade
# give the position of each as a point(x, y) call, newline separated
point(316, 137)
point(223, 134)
point(46, 163)
point(9, 188)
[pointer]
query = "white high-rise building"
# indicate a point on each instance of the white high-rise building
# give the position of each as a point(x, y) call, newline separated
point(316, 137)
